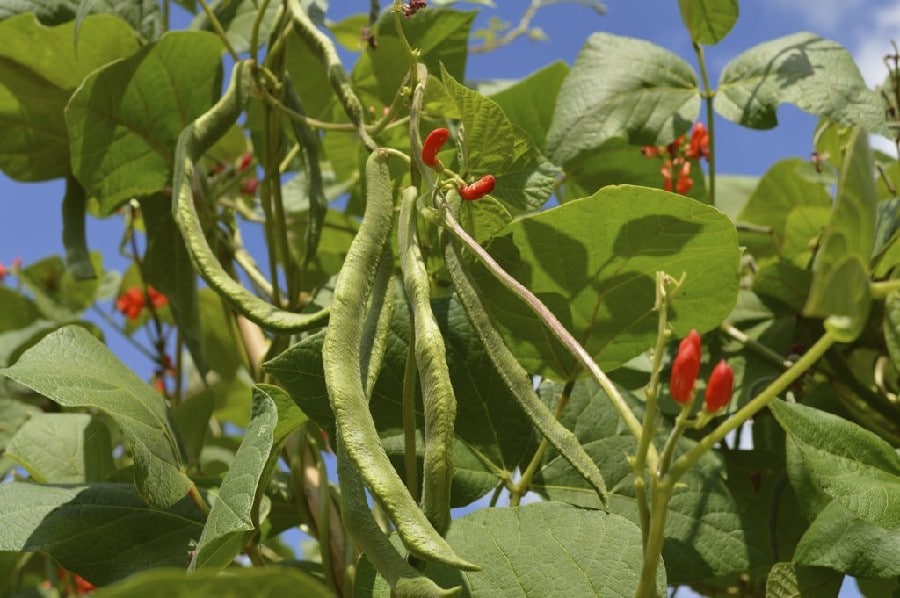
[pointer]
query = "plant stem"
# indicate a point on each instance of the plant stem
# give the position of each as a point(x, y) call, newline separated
point(217, 27)
point(708, 94)
point(880, 290)
point(254, 34)
point(197, 498)
point(779, 385)
point(521, 487)
point(661, 493)
point(756, 346)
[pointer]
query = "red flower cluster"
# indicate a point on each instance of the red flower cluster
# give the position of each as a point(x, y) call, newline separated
point(685, 369)
point(412, 8)
point(677, 158)
point(14, 267)
point(81, 585)
point(131, 302)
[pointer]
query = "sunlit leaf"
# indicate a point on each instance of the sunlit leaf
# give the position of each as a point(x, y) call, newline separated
point(708, 21)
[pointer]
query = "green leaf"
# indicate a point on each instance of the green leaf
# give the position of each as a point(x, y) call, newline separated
point(290, 417)
point(780, 191)
point(708, 21)
point(167, 266)
point(802, 230)
point(886, 254)
point(440, 35)
point(732, 193)
point(840, 541)
point(63, 448)
point(192, 417)
point(124, 120)
point(708, 532)
point(891, 327)
point(103, 532)
point(492, 434)
point(35, 86)
point(74, 369)
point(233, 513)
point(852, 465)
point(625, 88)
point(14, 414)
point(238, 582)
point(529, 103)
point(815, 74)
point(524, 178)
point(614, 163)
point(56, 292)
point(16, 310)
point(790, 579)
point(542, 549)
point(840, 273)
point(784, 282)
point(593, 262)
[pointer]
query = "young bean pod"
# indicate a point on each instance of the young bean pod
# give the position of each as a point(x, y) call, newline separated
point(359, 521)
point(434, 375)
point(342, 357)
point(195, 139)
point(514, 375)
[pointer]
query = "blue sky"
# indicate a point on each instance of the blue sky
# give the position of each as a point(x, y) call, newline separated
point(30, 225)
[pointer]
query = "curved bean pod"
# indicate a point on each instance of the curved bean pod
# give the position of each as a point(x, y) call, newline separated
point(195, 139)
point(341, 354)
point(434, 375)
point(359, 521)
point(514, 375)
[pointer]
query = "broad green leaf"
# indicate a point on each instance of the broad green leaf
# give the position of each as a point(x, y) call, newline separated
point(708, 21)
point(16, 310)
point(124, 120)
point(732, 193)
point(349, 32)
point(74, 369)
point(878, 588)
point(289, 415)
point(237, 19)
point(14, 414)
point(891, 327)
point(35, 86)
point(483, 219)
point(233, 513)
point(103, 532)
point(525, 179)
point(852, 465)
point(815, 74)
point(167, 266)
point(614, 163)
point(593, 262)
point(529, 103)
point(238, 582)
point(440, 35)
point(780, 191)
point(622, 87)
point(542, 549)
point(840, 541)
point(790, 579)
point(886, 253)
point(707, 530)
point(840, 273)
point(784, 282)
point(492, 434)
point(802, 230)
point(56, 292)
point(63, 448)
point(192, 418)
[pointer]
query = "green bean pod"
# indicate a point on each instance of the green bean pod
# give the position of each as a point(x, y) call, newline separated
point(195, 139)
point(359, 521)
point(377, 327)
point(434, 375)
point(514, 375)
point(342, 358)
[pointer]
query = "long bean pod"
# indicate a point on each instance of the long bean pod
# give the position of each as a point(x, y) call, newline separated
point(341, 354)
point(195, 139)
point(514, 375)
point(359, 521)
point(434, 375)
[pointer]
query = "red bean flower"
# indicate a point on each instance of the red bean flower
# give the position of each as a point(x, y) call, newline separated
point(478, 189)
point(131, 302)
point(685, 182)
point(699, 145)
point(685, 369)
point(719, 387)
point(432, 145)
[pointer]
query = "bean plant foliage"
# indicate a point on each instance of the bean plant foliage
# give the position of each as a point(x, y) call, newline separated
point(539, 297)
